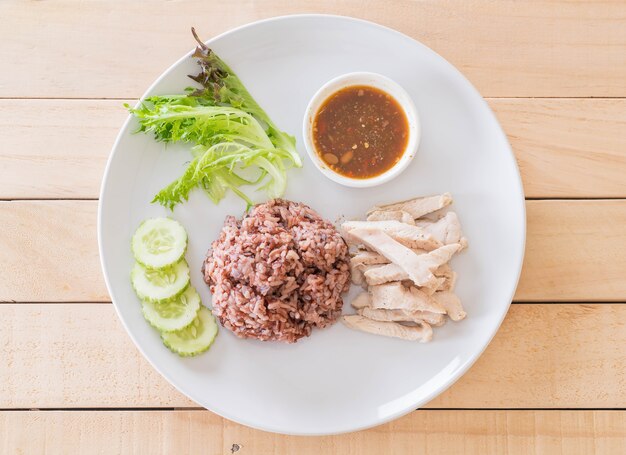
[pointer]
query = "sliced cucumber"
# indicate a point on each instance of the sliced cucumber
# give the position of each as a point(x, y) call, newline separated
point(159, 285)
point(159, 242)
point(195, 338)
point(173, 314)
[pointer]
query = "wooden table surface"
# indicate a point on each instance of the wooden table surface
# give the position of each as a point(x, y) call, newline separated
point(552, 381)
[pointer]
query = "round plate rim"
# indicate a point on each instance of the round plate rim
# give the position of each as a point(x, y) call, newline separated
point(459, 372)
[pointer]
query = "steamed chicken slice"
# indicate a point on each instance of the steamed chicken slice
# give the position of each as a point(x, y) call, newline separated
point(397, 253)
point(444, 270)
point(422, 332)
point(446, 230)
point(391, 215)
point(449, 278)
point(449, 282)
point(370, 257)
point(377, 314)
point(363, 304)
point(357, 272)
point(385, 274)
point(418, 207)
point(367, 258)
point(362, 300)
point(451, 303)
point(419, 268)
point(387, 271)
point(395, 296)
point(406, 234)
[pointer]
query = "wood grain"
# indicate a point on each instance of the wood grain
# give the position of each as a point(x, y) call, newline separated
point(456, 432)
point(50, 252)
point(574, 148)
point(575, 251)
point(200, 432)
point(116, 48)
point(564, 147)
point(114, 432)
point(56, 148)
point(544, 356)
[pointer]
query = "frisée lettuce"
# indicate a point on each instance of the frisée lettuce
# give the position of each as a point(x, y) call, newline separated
point(235, 143)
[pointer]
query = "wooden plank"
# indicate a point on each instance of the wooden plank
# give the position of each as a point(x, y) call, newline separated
point(433, 432)
point(50, 252)
point(456, 432)
point(78, 356)
point(565, 147)
point(75, 355)
point(119, 432)
point(576, 251)
point(56, 148)
point(573, 148)
point(506, 48)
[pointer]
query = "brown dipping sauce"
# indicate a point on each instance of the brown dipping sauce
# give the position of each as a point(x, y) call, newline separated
point(360, 132)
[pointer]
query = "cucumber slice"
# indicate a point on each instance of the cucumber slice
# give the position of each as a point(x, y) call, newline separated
point(194, 339)
point(159, 285)
point(159, 242)
point(173, 314)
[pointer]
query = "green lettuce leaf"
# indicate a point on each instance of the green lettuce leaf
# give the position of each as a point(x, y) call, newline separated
point(221, 85)
point(233, 137)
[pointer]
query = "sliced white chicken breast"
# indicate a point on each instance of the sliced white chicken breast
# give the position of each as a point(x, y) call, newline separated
point(419, 268)
point(449, 277)
point(449, 283)
point(422, 333)
point(439, 257)
point(396, 253)
point(452, 304)
point(418, 207)
point(400, 255)
point(391, 215)
point(365, 257)
point(395, 296)
point(368, 258)
point(446, 230)
point(433, 319)
point(406, 234)
point(363, 300)
point(443, 270)
point(385, 274)
point(357, 273)
point(428, 291)
point(393, 272)
point(378, 314)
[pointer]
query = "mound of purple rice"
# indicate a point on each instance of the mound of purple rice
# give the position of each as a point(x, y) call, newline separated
point(278, 272)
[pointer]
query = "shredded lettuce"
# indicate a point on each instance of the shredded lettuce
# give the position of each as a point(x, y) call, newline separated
point(233, 137)
point(218, 169)
point(171, 121)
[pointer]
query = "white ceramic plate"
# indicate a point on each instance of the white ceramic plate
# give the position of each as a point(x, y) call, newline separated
point(337, 380)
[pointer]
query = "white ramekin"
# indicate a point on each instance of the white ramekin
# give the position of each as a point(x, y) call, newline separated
point(373, 80)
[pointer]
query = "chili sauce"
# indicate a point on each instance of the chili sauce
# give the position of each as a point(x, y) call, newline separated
point(360, 132)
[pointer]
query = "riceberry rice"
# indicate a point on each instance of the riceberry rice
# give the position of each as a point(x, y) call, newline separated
point(278, 272)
